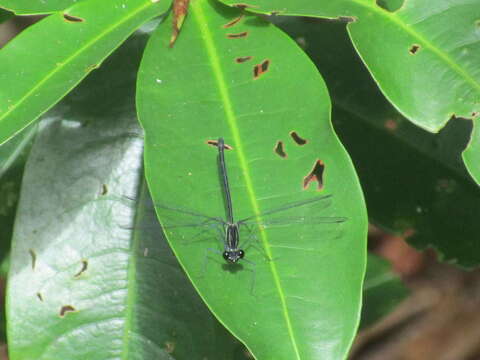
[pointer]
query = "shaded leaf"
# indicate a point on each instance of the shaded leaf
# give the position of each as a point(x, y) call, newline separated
point(382, 290)
point(236, 76)
point(428, 72)
point(81, 285)
point(4, 15)
point(415, 182)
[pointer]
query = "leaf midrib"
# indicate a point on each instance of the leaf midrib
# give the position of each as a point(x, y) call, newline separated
point(202, 21)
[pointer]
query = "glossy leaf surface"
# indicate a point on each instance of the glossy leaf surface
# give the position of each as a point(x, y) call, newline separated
point(427, 72)
point(296, 295)
point(29, 7)
point(83, 284)
point(90, 32)
point(415, 182)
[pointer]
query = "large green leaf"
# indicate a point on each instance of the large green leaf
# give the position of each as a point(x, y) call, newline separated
point(30, 7)
point(296, 295)
point(82, 285)
point(414, 181)
point(79, 43)
point(428, 73)
point(428, 70)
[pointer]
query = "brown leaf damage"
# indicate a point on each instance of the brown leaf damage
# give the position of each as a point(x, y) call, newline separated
point(261, 69)
point(180, 9)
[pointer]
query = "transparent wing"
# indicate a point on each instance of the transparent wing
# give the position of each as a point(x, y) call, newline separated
point(291, 220)
point(180, 217)
point(311, 209)
point(176, 217)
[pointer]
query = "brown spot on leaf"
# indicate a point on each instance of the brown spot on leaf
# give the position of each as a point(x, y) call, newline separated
point(391, 125)
point(104, 190)
point(40, 297)
point(243, 59)
point(215, 143)
point(233, 22)
point(83, 269)
point(169, 346)
point(260, 69)
point(180, 9)
point(316, 175)
point(65, 309)
point(72, 19)
point(414, 49)
point(33, 255)
point(280, 149)
point(299, 140)
point(238, 36)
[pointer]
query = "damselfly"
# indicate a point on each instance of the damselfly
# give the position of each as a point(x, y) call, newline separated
point(230, 230)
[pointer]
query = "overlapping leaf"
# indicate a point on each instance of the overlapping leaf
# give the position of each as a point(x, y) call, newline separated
point(414, 181)
point(82, 283)
point(235, 76)
point(426, 68)
point(382, 291)
point(29, 7)
point(36, 73)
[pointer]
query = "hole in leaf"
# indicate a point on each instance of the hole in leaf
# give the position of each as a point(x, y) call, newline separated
point(71, 18)
point(33, 255)
point(233, 22)
point(238, 36)
point(83, 269)
point(260, 69)
point(65, 309)
point(299, 140)
point(243, 59)
point(215, 143)
point(104, 190)
point(316, 175)
point(414, 49)
point(280, 149)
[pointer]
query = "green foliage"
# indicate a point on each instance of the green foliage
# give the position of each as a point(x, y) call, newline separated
point(382, 291)
point(85, 268)
point(212, 96)
point(91, 275)
point(4, 15)
point(428, 74)
point(416, 182)
point(91, 31)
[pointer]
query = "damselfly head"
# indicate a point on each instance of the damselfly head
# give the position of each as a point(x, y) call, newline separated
point(232, 256)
